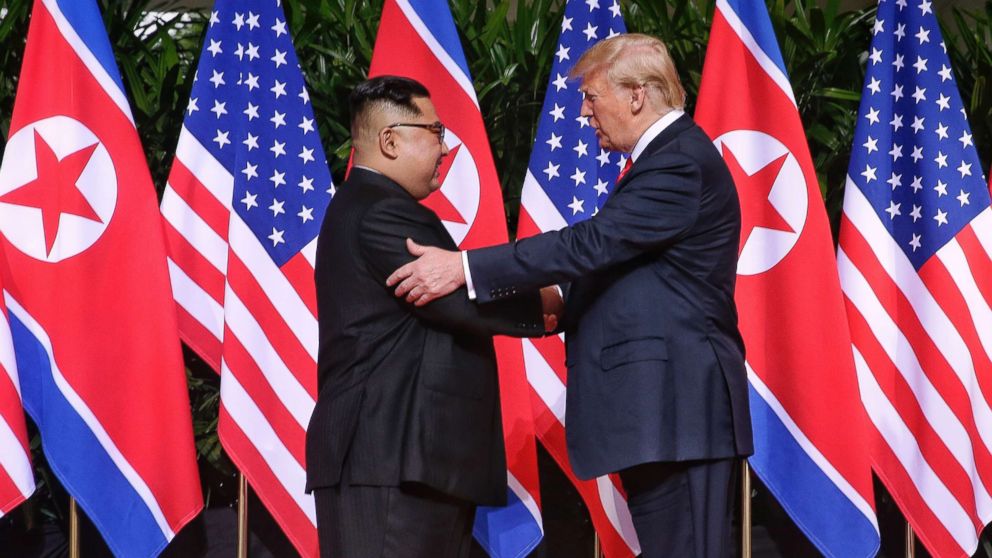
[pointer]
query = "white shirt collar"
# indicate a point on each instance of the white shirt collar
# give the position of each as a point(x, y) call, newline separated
point(654, 131)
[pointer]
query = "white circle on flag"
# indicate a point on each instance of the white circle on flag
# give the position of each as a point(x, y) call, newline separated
point(766, 247)
point(23, 225)
point(462, 187)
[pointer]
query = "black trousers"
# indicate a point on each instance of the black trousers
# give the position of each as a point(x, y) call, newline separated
point(407, 521)
point(682, 509)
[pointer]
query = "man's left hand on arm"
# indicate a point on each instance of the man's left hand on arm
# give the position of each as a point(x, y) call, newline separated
point(435, 273)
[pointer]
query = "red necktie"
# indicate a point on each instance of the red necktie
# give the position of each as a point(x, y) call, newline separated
point(624, 170)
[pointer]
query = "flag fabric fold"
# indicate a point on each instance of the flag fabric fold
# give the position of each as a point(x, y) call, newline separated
point(87, 289)
point(798, 398)
point(568, 179)
point(16, 475)
point(418, 39)
point(916, 272)
point(247, 192)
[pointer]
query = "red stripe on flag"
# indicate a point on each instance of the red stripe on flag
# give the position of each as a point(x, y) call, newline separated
point(193, 264)
point(526, 225)
point(938, 280)
point(10, 495)
point(300, 274)
point(898, 392)
point(552, 350)
point(297, 526)
point(934, 365)
point(250, 376)
point(978, 261)
point(199, 338)
point(198, 197)
point(11, 409)
point(926, 525)
point(282, 338)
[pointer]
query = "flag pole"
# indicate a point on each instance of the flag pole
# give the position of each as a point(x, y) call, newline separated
point(910, 541)
point(73, 528)
point(745, 509)
point(597, 548)
point(242, 516)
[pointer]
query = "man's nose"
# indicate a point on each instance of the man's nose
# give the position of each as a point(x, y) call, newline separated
point(444, 148)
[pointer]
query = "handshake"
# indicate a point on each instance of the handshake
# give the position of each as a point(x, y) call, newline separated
point(438, 272)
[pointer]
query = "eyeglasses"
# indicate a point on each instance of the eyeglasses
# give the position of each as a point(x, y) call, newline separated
point(434, 127)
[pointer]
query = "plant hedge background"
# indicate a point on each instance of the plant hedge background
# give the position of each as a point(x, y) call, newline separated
point(509, 46)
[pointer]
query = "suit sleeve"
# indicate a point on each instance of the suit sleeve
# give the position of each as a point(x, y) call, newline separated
point(656, 207)
point(383, 235)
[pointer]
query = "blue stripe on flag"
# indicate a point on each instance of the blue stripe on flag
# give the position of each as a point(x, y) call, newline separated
point(828, 517)
point(508, 531)
point(78, 459)
point(754, 16)
point(441, 24)
point(84, 17)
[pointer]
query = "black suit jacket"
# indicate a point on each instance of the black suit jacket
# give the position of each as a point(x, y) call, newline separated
point(655, 359)
point(405, 393)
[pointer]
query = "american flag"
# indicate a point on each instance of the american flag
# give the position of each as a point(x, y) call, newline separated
point(914, 258)
point(16, 476)
point(568, 179)
point(245, 199)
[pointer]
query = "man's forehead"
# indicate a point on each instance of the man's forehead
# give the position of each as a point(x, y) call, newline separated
point(426, 106)
point(592, 81)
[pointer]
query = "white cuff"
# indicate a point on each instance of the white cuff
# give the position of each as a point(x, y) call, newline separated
point(468, 276)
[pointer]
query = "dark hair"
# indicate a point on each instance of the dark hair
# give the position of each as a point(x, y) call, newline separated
point(396, 91)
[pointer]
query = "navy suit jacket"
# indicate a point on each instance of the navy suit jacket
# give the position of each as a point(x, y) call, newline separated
point(655, 359)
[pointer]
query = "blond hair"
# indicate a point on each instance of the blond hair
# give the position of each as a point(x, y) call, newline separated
point(634, 60)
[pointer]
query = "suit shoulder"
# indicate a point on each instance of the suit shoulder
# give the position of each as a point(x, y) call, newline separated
point(394, 209)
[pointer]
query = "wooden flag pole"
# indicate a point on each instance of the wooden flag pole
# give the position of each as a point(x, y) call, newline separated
point(745, 509)
point(73, 528)
point(597, 549)
point(242, 516)
point(910, 541)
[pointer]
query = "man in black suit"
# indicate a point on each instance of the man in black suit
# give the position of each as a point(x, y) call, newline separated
point(406, 437)
point(657, 388)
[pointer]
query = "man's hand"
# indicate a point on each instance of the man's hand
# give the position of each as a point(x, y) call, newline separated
point(435, 273)
point(553, 307)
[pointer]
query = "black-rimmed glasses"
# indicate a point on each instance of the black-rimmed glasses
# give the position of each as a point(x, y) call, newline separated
point(434, 127)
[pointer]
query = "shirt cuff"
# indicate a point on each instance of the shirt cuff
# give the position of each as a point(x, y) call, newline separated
point(468, 276)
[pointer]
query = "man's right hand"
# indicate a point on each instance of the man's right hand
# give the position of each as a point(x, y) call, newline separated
point(435, 273)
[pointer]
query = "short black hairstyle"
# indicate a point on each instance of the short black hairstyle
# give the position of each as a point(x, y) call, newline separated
point(388, 90)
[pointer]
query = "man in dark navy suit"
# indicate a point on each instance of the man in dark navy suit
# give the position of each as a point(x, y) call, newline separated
point(657, 388)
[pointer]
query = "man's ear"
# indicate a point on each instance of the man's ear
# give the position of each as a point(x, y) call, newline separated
point(387, 143)
point(638, 98)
